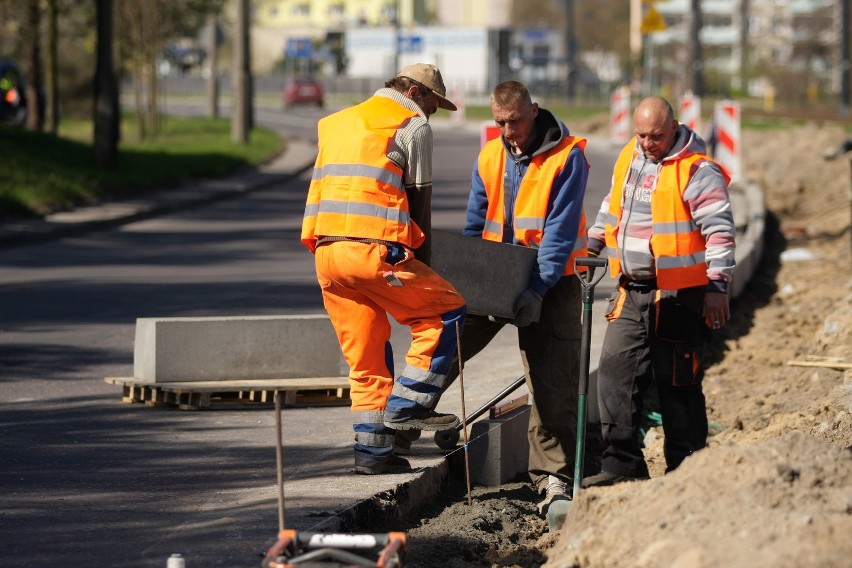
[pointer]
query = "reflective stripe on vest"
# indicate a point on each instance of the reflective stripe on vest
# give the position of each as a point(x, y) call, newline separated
point(356, 190)
point(533, 195)
point(676, 240)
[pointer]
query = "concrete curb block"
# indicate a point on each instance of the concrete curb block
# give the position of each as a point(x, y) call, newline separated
point(750, 244)
point(392, 507)
point(191, 349)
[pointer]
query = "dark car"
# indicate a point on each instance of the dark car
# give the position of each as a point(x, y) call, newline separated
point(304, 90)
point(13, 93)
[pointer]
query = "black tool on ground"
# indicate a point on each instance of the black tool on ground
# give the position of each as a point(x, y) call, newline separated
point(447, 439)
point(589, 279)
point(295, 549)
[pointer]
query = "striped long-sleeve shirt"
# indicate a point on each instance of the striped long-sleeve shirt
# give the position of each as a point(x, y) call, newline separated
point(412, 151)
point(706, 197)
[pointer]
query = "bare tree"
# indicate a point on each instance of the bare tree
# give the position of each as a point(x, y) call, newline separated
point(106, 119)
point(140, 22)
point(34, 90)
point(52, 70)
point(148, 27)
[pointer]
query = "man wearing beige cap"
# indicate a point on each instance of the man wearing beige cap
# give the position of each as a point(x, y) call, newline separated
point(368, 220)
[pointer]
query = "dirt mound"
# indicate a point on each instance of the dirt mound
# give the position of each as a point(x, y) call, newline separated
point(732, 505)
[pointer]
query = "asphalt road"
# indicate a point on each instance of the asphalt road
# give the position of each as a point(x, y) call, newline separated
point(89, 481)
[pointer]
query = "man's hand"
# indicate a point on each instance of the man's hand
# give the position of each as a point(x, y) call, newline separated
point(527, 308)
point(716, 310)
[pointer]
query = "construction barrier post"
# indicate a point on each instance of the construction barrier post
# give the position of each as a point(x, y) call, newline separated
point(726, 122)
point(620, 115)
point(690, 111)
point(488, 131)
point(457, 96)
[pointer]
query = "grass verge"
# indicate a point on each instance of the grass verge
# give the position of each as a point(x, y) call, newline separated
point(42, 173)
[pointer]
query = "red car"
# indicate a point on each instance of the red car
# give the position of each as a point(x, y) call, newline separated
point(304, 91)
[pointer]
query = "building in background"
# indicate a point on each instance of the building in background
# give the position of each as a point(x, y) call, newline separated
point(473, 41)
point(786, 48)
point(750, 46)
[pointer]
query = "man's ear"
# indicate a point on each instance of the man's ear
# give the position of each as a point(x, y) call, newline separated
point(535, 110)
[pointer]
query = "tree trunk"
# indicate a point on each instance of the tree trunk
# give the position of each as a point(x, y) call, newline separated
point(150, 14)
point(213, 66)
point(35, 109)
point(106, 117)
point(52, 70)
point(240, 118)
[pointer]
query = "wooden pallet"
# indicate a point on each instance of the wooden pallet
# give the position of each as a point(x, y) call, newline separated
point(319, 391)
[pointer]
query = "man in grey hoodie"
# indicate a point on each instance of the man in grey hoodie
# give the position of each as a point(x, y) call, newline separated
point(669, 234)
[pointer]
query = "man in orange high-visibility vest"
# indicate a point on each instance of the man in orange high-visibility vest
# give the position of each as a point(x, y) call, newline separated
point(528, 187)
point(669, 233)
point(368, 222)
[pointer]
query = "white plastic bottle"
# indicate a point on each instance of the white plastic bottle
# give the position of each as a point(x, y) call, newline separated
point(176, 561)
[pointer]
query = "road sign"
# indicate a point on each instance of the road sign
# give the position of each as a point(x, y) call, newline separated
point(299, 47)
point(652, 22)
point(409, 43)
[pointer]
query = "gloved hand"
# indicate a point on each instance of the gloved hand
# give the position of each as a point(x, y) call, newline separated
point(527, 308)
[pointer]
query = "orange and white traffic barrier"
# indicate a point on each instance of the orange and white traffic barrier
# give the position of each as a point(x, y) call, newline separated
point(457, 96)
point(690, 111)
point(726, 125)
point(488, 131)
point(619, 121)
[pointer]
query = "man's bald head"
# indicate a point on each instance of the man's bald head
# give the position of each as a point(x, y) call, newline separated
point(655, 126)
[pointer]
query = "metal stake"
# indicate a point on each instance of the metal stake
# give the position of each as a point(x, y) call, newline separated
point(464, 417)
point(279, 460)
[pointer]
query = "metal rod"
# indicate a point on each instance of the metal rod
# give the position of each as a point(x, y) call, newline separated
point(464, 418)
point(279, 460)
point(519, 382)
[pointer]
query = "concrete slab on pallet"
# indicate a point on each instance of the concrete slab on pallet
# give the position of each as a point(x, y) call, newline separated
point(233, 348)
point(490, 276)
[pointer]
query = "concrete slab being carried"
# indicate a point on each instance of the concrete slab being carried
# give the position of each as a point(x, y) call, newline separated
point(490, 276)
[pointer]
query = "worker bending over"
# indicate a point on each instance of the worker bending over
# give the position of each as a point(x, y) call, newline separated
point(368, 222)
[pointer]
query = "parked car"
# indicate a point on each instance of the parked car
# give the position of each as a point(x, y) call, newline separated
point(303, 90)
point(13, 93)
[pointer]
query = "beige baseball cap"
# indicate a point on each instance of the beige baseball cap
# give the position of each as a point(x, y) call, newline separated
point(429, 76)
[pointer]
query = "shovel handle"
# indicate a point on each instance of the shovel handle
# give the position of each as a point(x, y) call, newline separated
point(590, 278)
point(590, 261)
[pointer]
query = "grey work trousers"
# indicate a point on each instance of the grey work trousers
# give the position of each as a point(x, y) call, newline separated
point(550, 351)
point(654, 337)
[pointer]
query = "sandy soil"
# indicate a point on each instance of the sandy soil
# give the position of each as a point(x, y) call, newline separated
point(774, 486)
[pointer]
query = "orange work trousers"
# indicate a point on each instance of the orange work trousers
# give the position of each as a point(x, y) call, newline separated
point(363, 283)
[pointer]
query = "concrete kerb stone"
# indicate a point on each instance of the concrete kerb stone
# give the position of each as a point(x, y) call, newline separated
point(499, 447)
point(391, 507)
point(750, 239)
point(194, 349)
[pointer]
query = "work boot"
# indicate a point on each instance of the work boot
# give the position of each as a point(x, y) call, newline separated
point(402, 440)
point(429, 420)
point(557, 490)
point(393, 464)
point(606, 478)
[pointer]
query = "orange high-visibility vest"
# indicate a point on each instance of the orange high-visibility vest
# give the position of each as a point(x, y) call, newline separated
point(533, 195)
point(676, 242)
point(356, 190)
